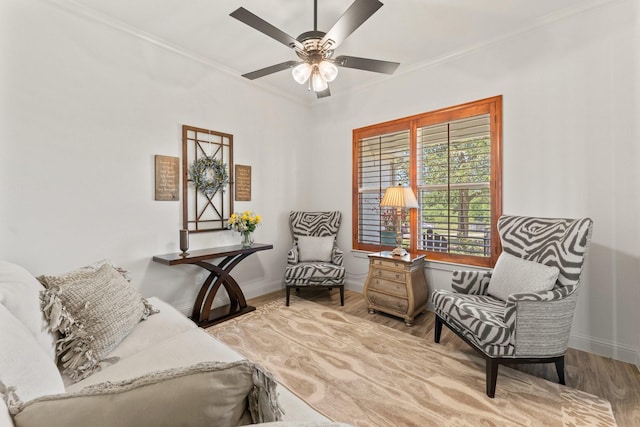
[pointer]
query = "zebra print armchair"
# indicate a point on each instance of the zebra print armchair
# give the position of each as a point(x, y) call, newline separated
point(522, 325)
point(314, 259)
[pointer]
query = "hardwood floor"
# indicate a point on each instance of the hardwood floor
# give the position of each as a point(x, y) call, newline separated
point(615, 381)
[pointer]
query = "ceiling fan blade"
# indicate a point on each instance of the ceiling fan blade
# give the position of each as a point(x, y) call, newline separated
point(243, 15)
point(324, 93)
point(270, 70)
point(358, 12)
point(367, 64)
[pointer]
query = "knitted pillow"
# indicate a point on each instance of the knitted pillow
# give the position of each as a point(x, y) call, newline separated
point(49, 280)
point(92, 315)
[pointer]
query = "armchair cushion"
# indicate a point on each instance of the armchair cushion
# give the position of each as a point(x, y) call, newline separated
point(314, 248)
point(314, 273)
point(513, 275)
point(482, 314)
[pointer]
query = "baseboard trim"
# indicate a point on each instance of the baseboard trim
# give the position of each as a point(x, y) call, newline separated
point(251, 290)
point(605, 348)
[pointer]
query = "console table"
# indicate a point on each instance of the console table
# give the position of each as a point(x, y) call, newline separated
point(230, 256)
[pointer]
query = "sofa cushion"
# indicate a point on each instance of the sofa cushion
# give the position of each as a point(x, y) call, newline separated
point(92, 315)
point(313, 248)
point(207, 394)
point(49, 280)
point(19, 294)
point(513, 275)
point(24, 365)
point(187, 348)
point(167, 323)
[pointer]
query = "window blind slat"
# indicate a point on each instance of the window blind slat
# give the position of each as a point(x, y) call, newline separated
point(455, 161)
point(449, 165)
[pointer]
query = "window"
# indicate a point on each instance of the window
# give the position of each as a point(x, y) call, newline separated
point(451, 158)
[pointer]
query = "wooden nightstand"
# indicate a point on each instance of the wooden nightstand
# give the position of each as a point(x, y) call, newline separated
point(396, 285)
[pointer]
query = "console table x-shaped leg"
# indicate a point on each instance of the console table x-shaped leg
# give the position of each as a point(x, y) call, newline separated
point(219, 276)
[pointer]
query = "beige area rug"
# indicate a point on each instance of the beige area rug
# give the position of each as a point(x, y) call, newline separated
point(356, 371)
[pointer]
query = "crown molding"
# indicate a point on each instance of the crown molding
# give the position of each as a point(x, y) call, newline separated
point(80, 10)
point(88, 13)
point(482, 44)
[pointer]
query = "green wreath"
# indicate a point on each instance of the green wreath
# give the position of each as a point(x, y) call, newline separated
point(209, 175)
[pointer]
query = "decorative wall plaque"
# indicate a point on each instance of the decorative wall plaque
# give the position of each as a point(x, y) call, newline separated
point(207, 175)
point(243, 183)
point(167, 178)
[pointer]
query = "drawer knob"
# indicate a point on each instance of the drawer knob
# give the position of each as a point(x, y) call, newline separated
point(397, 276)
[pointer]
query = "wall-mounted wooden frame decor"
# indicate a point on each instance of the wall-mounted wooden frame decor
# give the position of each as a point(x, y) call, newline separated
point(167, 178)
point(207, 176)
point(242, 185)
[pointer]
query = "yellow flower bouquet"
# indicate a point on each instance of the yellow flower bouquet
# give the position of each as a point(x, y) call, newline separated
point(245, 223)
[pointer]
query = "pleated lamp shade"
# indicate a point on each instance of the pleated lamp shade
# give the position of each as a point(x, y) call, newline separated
point(399, 197)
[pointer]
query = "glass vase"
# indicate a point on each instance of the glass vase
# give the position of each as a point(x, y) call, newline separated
point(247, 239)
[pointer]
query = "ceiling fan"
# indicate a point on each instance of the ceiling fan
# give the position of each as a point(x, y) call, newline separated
point(315, 48)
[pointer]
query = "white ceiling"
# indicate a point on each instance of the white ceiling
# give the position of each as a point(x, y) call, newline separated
point(411, 32)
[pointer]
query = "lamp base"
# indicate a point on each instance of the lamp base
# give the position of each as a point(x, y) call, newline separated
point(398, 252)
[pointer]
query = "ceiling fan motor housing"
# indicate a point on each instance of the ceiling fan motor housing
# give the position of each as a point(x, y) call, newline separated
point(314, 52)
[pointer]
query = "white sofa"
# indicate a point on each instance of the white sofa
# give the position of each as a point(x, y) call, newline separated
point(166, 340)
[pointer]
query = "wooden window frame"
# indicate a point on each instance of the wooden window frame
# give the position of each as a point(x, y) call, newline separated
point(491, 106)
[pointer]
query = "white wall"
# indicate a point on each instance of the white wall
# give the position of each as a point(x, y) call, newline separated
point(84, 110)
point(570, 148)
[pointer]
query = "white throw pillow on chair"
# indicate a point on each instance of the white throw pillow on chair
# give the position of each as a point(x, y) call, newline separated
point(513, 275)
point(312, 248)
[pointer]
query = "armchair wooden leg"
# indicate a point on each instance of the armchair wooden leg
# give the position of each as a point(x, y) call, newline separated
point(560, 370)
point(342, 295)
point(492, 376)
point(288, 294)
point(437, 331)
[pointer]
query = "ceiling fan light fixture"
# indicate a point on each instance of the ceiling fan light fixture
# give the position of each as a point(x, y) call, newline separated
point(316, 66)
point(328, 71)
point(301, 72)
point(318, 84)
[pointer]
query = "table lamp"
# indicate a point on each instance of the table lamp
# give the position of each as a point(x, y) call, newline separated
point(400, 198)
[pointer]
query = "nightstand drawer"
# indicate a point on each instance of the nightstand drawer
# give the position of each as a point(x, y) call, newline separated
point(394, 303)
point(398, 276)
point(396, 265)
point(396, 288)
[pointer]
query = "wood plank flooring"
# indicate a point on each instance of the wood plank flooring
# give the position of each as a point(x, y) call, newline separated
point(618, 382)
